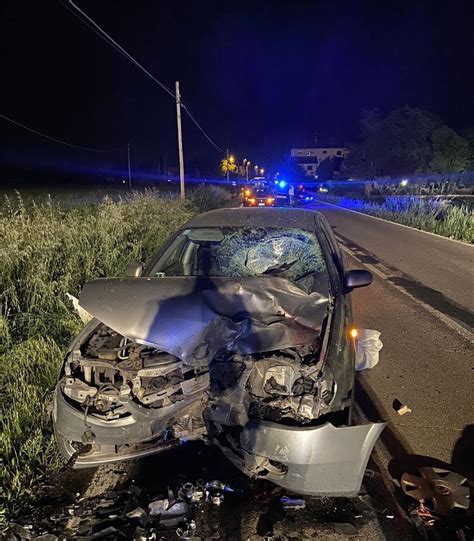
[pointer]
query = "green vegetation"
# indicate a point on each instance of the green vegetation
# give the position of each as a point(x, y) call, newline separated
point(49, 250)
point(427, 214)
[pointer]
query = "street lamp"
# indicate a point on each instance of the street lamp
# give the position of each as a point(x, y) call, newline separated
point(262, 170)
point(256, 170)
point(247, 170)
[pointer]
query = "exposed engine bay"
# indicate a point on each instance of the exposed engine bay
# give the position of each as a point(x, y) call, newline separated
point(205, 369)
point(285, 384)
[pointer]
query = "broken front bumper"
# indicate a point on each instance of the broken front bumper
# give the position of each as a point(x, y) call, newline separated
point(112, 441)
point(321, 461)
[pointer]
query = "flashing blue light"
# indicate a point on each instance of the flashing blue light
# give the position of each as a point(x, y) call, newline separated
point(282, 183)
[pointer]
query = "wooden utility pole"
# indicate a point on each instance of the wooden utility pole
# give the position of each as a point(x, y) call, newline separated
point(180, 142)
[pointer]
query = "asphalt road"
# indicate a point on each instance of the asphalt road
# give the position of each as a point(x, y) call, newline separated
point(424, 363)
point(442, 269)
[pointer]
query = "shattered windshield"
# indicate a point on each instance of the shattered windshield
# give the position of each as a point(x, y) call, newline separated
point(242, 252)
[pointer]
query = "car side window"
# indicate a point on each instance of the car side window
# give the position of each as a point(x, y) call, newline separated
point(172, 258)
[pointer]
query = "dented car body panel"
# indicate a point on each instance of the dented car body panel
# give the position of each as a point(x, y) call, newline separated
point(195, 318)
point(238, 334)
point(321, 461)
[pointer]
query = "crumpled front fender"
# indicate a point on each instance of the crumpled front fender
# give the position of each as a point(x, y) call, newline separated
point(320, 461)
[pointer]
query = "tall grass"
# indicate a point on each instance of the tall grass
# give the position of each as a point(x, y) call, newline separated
point(47, 251)
point(427, 214)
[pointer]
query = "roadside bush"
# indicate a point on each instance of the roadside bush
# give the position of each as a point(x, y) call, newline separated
point(427, 214)
point(46, 252)
point(208, 197)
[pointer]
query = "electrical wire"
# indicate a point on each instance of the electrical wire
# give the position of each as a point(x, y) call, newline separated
point(201, 129)
point(106, 37)
point(58, 140)
point(90, 23)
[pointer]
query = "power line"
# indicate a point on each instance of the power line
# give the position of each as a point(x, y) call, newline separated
point(103, 34)
point(201, 129)
point(90, 23)
point(58, 140)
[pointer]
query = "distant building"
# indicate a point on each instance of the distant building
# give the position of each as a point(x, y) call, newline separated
point(309, 159)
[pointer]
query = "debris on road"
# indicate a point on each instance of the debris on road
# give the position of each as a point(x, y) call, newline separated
point(440, 490)
point(139, 513)
point(129, 513)
point(401, 409)
point(175, 515)
point(214, 491)
point(292, 504)
point(367, 347)
point(189, 532)
point(190, 493)
point(157, 507)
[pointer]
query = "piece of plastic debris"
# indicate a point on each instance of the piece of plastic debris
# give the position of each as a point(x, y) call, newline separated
point(438, 490)
point(139, 513)
point(214, 491)
point(83, 314)
point(190, 493)
point(400, 408)
point(292, 503)
point(189, 532)
point(172, 515)
point(175, 516)
point(47, 537)
point(157, 507)
point(141, 534)
point(390, 516)
point(367, 346)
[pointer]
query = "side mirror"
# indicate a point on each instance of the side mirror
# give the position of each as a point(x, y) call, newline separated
point(357, 278)
point(134, 269)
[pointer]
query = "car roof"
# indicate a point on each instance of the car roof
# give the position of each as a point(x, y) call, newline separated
point(257, 217)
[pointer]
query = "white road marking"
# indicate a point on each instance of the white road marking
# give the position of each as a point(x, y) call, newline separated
point(371, 267)
point(451, 323)
point(396, 223)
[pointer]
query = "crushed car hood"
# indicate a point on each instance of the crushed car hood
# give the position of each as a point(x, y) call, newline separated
point(196, 318)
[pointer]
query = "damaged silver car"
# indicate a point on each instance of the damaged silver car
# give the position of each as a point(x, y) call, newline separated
point(238, 333)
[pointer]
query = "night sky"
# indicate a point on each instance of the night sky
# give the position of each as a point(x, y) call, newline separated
point(259, 76)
